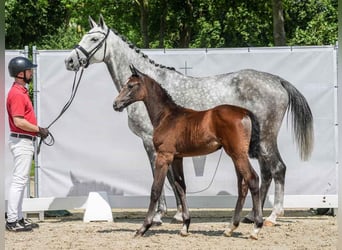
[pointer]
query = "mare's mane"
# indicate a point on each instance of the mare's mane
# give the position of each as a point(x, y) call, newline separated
point(138, 50)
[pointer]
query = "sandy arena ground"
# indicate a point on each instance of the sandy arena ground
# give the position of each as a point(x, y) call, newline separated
point(296, 230)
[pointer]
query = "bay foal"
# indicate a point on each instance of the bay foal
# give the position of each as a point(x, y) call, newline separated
point(180, 132)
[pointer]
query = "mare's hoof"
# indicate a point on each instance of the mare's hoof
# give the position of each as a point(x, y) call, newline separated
point(247, 220)
point(157, 221)
point(184, 233)
point(177, 217)
point(268, 223)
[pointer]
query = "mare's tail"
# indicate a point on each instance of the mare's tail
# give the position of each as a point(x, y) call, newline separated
point(302, 121)
point(254, 145)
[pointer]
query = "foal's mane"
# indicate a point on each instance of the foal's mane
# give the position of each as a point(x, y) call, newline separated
point(138, 51)
point(162, 92)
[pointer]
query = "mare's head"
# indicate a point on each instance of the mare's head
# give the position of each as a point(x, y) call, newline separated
point(91, 49)
point(134, 90)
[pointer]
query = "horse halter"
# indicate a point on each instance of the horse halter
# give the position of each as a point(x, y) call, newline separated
point(90, 54)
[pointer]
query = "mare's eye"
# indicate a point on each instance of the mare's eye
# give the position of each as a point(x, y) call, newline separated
point(94, 39)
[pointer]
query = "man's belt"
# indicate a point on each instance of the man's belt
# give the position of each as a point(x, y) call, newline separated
point(23, 136)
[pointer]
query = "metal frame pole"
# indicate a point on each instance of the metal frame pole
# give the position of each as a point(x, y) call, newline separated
point(339, 105)
point(35, 104)
point(26, 54)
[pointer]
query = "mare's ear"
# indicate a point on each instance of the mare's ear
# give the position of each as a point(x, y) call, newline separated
point(92, 23)
point(102, 23)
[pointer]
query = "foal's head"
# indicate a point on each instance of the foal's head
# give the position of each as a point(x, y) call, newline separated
point(134, 90)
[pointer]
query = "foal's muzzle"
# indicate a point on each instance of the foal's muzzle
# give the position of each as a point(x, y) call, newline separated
point(118, 106)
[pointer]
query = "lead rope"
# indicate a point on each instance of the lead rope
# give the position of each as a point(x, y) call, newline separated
point(75, 86)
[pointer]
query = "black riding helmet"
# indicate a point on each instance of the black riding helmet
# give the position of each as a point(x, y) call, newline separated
point(20, 64)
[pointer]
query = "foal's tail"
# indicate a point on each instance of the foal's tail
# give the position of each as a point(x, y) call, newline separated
point(254, 145)
point(302, 121)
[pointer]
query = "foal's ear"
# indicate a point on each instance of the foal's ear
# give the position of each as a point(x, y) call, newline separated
point(92, 23)
point(134, 71)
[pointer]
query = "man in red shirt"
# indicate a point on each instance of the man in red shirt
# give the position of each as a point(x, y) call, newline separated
point(24, 129)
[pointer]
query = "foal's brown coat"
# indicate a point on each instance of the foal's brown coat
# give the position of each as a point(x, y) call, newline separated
point(181, 132)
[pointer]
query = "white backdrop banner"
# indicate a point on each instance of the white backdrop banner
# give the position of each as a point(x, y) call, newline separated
point(95, 150)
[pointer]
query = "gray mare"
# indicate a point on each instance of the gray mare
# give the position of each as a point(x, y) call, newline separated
point(267, 96)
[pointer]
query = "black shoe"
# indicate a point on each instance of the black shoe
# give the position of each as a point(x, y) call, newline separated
point(27, 223)
point(16, 227)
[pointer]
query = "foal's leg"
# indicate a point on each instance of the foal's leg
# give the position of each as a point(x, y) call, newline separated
point(266, 179)
point(176, 164)
point(181, 189)
point(250, 178)
point(253, 184)
point(242, 192)
point(162, 162)
point(161, 205)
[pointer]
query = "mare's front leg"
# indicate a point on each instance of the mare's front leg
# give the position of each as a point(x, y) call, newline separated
point(177, 170)
point(162, 162)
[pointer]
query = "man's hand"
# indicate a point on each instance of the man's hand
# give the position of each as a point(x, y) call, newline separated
point(43, 133)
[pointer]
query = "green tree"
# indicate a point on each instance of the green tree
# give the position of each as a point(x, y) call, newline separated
point(28, 21)
point(311, 22)
point(60, 24)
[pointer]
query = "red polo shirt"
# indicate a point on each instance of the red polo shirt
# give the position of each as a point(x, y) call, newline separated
point(19, 104)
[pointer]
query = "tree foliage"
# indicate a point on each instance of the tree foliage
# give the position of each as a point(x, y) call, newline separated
point(59, 24)
point(26, 22)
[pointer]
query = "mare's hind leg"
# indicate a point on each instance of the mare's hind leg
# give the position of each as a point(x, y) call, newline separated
point(278, 170)
point(162, 163)
point(271, 167)
point(181, 189)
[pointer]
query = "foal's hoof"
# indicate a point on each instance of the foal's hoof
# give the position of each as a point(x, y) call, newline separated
point(138, 234)
point(268, 223)
point(253, 236)
point(228, 233)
